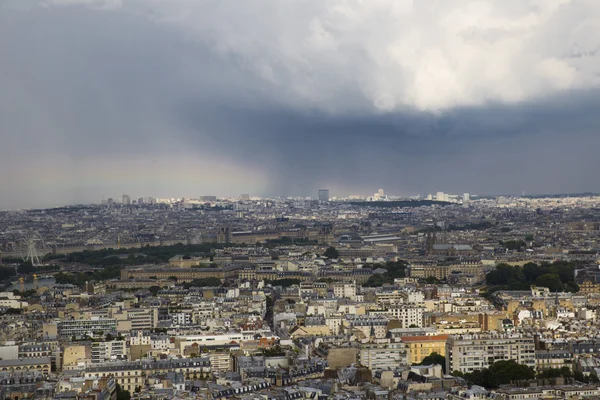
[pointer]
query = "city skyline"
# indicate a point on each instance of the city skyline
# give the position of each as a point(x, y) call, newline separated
point(299, 199)
point(346, 96)
point(345, 197)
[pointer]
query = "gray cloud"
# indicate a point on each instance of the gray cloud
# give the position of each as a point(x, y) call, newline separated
point(186, 98)
point(393, 54)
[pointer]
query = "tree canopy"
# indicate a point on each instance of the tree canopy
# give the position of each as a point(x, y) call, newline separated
point(154, 290)
point(144, 255)
point(7, 273)
point(331, 252)
point(499, 373)
point(28, 268)
point(435, 358)
point(513, 244)
point(122, 394)
point(394, 269)
point(285, 282)
point(79, 279)
point(558, 276)
point(204, 282)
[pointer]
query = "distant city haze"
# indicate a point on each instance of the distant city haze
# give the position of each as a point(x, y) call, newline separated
point(184, 99)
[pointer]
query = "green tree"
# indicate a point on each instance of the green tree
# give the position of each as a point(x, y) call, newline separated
point(551, 281)
point(154, 290)
point(506, 277)
point(377, 280)
point(500, 373)
point(578, 375)
point(431, 280)
point(505, 274)
point(555, 373)
point(273, 351)
point(396, 269)
point(532, 271)
point(285, 282)
point(27, 293)
point(204, 282)
point(514, 244)
point(26, 268)
point(122, 394)
point(435, 358)
point(331, 252)
point(7, 273)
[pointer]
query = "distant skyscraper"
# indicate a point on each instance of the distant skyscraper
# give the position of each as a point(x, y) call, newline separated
point(466, 197)
point(126, 200)
point(141, 200)
point(323, 195)
point(245, 197)
point(380, 192)
point(440, 196)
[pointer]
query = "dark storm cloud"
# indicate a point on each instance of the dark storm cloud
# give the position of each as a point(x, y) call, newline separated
point(111, 96)
point(541, 147)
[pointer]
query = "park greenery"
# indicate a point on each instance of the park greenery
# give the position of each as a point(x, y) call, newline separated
point(122, 394)
point(288, 241)
point(513, 244)
point(25, 294)
point(285, 282)
point(80, 278)
point(331, 252)
point(154, 290)
point(203, 282)
point(565, 372)
point(558, 276)
point(435, 358)
point(12, 311)
point(133, 256)
point(275, 351)
point(394, 269)
point(499, 373)
point(7, 273)
point(27, 268)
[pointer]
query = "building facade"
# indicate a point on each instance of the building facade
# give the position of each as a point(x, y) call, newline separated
point(470, 353)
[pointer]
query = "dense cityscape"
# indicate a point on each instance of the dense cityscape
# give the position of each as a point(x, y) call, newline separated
point(299, 200)
point(440, 297)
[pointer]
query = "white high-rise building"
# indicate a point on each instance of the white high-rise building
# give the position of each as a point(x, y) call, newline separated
point(409, 315)
point(441, 196)
point(466, 197)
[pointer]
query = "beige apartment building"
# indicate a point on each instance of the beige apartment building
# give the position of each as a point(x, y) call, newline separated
point(475, 352)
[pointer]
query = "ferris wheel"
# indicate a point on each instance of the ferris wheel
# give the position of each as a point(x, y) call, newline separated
point(32, 248)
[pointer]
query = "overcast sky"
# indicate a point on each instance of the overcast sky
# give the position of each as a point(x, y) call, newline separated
point(283, 97)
